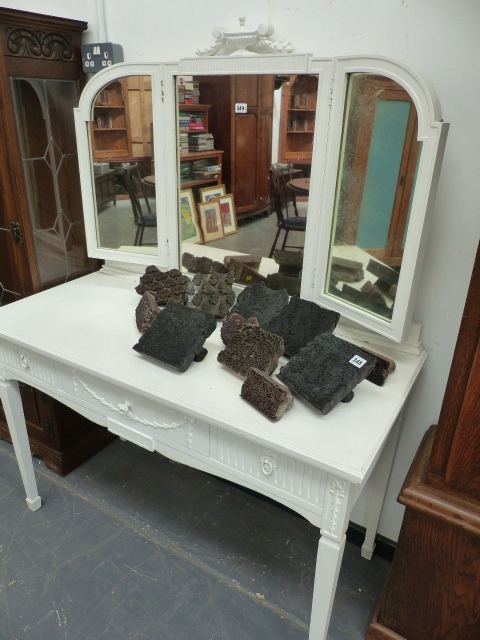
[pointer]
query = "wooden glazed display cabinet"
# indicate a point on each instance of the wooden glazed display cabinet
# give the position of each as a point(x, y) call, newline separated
point(42, 238)
point(432, 591)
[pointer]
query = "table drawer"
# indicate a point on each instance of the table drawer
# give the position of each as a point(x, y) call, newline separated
point(137, 418)
point(29, 363)
point(264, 466)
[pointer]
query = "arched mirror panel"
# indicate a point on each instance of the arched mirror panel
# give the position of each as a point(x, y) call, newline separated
point(310, 174)
point(116, 131)
point(382, 163)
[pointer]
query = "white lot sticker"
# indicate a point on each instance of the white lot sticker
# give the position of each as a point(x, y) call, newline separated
point(240, 107)
point(357, 361)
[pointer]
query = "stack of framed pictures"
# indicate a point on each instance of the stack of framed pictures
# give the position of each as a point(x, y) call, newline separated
point(211, 219)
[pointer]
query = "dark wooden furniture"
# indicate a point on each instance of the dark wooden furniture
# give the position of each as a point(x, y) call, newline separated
point(111, 138)
point(297, 119)
point(433, 589)
point(285, 207)
point(105, 188)
point(245, 137)
point(42, 241)
point(299, 186)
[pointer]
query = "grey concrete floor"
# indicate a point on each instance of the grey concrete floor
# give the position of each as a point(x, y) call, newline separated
point(134, 546)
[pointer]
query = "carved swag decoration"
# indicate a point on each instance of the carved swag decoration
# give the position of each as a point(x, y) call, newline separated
point(26, 43)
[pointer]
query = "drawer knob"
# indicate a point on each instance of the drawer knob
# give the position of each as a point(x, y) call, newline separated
point(267, 464)
point(25, 361)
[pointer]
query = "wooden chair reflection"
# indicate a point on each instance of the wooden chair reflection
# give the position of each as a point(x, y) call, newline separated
point(128, 176)
point(284, 205)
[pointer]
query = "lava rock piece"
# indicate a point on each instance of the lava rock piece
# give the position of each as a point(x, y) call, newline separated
point(176, 336)
point(374, 291)
point(213, 293)
point(283, 281)
point(252, 347)
point(290, 263)
point(146, 311)
point(347, 270)
point(324, 372)
point(166, 286)
point(364, 300)
point(261, 302)
point(383, 368)
point(383, 272)
point(236, 264)
point(300, 322)
point(233, 324)
point(266, 395)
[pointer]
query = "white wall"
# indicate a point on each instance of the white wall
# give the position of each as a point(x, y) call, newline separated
point(441, 39)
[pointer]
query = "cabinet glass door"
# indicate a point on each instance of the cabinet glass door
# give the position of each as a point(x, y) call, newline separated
point(45, 126)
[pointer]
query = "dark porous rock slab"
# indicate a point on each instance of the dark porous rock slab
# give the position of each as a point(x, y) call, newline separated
point(383, 272)
point(283, 281)
point(249, 276)
point(300, 322)
point(213, 293)
point(177, 336)
point(233, 324)
point(326, 371)
point(261, 302)
point(347, 270)
point(289, 262)
point(374, 291)
point(266, 395)
point(383, 368)
point(364, 300)
point(146, 311)
point(237, 262)
point(252, 347)
point(197, 264)
point(166, 286)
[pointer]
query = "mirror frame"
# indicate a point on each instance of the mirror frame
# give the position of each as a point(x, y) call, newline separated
point(333, 75)
point(432, 133)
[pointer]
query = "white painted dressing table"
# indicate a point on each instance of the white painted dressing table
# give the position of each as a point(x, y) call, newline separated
point(74, 342)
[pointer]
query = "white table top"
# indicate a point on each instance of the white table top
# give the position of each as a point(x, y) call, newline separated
point(89, 324)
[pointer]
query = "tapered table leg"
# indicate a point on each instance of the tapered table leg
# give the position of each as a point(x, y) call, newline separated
point(12, 405)
point(329, 559)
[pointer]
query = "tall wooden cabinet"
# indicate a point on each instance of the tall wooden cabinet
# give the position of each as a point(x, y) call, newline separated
point(433, 589)
point(42, 239)
point(244, 134)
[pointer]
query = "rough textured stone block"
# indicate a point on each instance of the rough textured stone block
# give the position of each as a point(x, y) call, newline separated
point(146, 311)
point(326, 371)
point(289, 262)
point(177, 336)
point(213, 293)
point(283, 281)
point(347, 270)
point(233, 324)
point(374, 291)
point(261, 302)
point(266, 395)
point(383, 272)
point(383, 368)
point(166, 286)
point(252, 347)
point(363, 300)
point(299, 322)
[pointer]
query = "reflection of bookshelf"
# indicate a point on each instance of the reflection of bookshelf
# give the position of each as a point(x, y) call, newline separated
point(110, 127)
point(212, 158)
point(297, 119)
point(202, 166)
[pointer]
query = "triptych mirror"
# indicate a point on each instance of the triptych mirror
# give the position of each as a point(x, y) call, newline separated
point(192, 159)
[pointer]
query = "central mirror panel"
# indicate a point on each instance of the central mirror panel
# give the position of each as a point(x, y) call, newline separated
point(377, 169)
point(121, 142)
point(245, 146)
